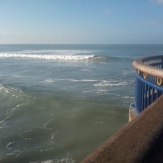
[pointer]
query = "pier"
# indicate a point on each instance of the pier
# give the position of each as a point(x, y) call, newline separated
point(141, 140)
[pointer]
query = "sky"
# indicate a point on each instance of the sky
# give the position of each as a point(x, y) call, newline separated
point(81, 22)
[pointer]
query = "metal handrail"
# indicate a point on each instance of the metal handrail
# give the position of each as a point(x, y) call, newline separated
point(139, 64)
point(149, 81)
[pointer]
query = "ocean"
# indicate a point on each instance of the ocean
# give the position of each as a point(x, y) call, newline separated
point(58, 103)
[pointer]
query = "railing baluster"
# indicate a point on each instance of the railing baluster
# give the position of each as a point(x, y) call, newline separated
point(152, 95)
point(146, 89)
point(145, 96)
point(141, 95)
point(142, 89)
point(148, 101)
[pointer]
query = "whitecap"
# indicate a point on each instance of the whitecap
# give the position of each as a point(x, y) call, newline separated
point(16, 76)
point(52, 136)
point(127, 97)
point(8, 144)
point(99, 122)
point(103, 90)
point(9, 154)
point(83, 80)
point(111, 83)
point(48, 81)
point(47, 57)
point(127, 72)
point(47, 161)
point(1, 121)
point(65, 160)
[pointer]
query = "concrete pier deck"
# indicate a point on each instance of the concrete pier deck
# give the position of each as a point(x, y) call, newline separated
point(139, 141)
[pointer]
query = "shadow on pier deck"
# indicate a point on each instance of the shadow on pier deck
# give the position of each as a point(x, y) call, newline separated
point(140, 141)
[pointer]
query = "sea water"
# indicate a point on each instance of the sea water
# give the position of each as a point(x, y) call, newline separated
point(58, 103)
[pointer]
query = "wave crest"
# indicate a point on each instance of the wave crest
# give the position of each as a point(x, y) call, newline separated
point(48, 57)
point(105, 83)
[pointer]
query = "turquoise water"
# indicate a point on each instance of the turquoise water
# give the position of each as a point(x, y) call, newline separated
point(60, 102)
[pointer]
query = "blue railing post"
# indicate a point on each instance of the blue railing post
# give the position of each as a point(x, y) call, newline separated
point(147, 87)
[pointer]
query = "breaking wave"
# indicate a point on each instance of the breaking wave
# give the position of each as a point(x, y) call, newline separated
point(48, 57)
point(105, 83)
point(50, 54)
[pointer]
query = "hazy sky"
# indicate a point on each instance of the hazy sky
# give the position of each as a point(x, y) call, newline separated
point(81, 21)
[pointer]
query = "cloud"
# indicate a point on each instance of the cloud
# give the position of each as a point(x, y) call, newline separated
point(157, 1)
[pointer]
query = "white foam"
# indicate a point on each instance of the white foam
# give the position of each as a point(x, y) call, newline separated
point(48, 57)
point(47, 161)
point(65, 160)
point(9, 154)
point(50, 54)
point(1, 121)
point(102, 90)
point(17, 152)
point(69, 79)
point(99, 122)
point(16, 76)
point(8, 90)
point(111, 83)
point(8, 145)
point(48, 81)
point(84, 80)
point(52, 136)
point(125, 72)
point(128, 97)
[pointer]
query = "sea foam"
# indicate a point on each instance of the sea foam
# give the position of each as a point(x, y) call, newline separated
point(50, 54)
point(48, 57)
point(105, 83)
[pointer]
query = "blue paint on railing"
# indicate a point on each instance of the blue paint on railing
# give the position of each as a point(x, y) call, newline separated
point(146, 88)
point(145, 93)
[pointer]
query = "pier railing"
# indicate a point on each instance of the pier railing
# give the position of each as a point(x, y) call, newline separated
point(136, 142)
point(149, 81)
